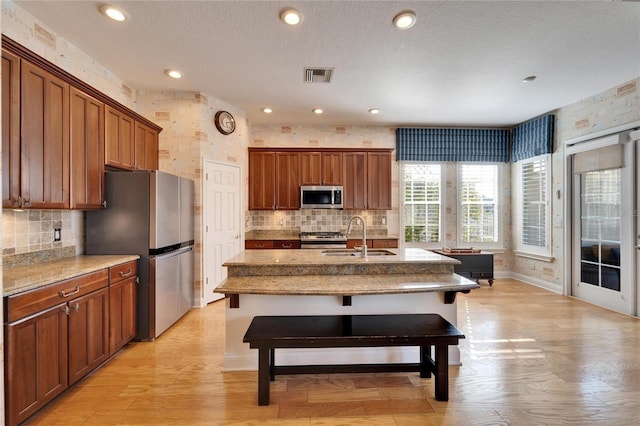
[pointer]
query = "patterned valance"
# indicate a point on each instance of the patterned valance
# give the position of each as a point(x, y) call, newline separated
point(533, 138)
point(431, 144)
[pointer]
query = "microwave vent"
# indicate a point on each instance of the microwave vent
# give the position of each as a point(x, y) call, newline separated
point(318, 75)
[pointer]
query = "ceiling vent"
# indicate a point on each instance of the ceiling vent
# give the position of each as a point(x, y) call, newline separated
point(318, 75)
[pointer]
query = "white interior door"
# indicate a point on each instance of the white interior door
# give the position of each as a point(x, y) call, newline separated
point(603, 260)
point(222, 223)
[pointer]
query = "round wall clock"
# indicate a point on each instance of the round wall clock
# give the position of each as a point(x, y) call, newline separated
point(224, 122)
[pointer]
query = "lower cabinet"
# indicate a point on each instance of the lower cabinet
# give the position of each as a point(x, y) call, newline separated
point(57, 334)
point(373, 243)
point(271, 244)
point(36, 362)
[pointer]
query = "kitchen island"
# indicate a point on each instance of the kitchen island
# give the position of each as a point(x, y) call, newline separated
point(310, 282)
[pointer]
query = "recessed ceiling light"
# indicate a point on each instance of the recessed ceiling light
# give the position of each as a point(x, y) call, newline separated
point(173, 73)
point(317, 110)
point(267, 110)
point(404, 20)
point(113, 12)
point(374, 111)
point(528, 79)
point(291, 16)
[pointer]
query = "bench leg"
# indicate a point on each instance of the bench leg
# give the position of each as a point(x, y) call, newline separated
point(426, 365)
point(263, 376)
point(272, 363)
point(442, 373)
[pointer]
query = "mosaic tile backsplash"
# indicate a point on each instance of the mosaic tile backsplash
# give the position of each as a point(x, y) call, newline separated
point(33, 230)
point(312, 220)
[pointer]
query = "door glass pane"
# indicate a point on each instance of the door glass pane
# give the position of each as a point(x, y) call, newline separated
point(600, 214)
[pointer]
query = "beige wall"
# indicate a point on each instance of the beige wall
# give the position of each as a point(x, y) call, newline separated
point(611, 108)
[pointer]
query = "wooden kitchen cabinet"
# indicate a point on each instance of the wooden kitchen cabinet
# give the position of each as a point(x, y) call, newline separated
point(262, 185)
point(146, 147)
point(87, 151)
point(36, 362)
point(355, 181)
point(287, 181)
point(10, 129)
point(119, 139)
point(123, 284)
point(379, 181)
point(321, 168)
point(88, 333)
point(44, 147)
point(258, 244)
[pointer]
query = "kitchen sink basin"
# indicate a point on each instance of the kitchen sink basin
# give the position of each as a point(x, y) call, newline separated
point(370, 252)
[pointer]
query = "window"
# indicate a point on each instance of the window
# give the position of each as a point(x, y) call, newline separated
point(534, 207)
point(422, 201)
point(478, 210)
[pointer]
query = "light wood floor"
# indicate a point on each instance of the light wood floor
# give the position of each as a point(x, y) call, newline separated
point(531, 357)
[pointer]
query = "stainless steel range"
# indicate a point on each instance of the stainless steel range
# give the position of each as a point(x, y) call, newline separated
point(323, 240)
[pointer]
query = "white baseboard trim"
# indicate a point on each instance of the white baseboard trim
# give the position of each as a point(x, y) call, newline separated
point(537, 282)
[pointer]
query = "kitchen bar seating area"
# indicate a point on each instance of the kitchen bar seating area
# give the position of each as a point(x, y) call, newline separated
point(514, 371)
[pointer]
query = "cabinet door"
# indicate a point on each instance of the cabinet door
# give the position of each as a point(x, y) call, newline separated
point(88, 333)
point(355, 180)
point(119, 139)
point(87, 151)
point(262, 174)
point(146, 148)
point(332, 168)
point(122, 313)
point(287, 181)
point(36, 363)
point(45, 138)
point(379, 181)
point(311, 168)
point(10, 129)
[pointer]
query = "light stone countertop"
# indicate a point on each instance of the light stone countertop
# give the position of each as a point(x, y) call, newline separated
point(309, 272)
point(23, 278)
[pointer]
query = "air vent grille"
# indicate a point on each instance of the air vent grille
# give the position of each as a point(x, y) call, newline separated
point(318, 75)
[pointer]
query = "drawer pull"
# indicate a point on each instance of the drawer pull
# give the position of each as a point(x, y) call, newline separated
point(70, 293)
point(287, 245)
point(125, 274)
point(76, 307)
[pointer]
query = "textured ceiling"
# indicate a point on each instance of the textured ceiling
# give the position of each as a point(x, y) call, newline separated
point(462, 63)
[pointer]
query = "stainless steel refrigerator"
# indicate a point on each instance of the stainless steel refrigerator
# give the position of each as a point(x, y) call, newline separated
point(149, 213)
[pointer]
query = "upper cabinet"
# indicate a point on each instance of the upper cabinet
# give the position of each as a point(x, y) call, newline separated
point(146, 147)
point(119, 139)
point(87, 151)
point(275, 176)
point(44, 139)
point(58, 133)
point(321, 168)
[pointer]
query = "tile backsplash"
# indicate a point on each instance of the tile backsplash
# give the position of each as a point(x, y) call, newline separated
point(310, 220)
point(30, 231)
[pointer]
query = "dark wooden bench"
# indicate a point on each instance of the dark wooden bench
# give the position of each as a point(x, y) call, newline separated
point(268, 333)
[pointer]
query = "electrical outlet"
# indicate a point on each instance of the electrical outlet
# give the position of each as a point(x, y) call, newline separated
point(384, 220)
point(281, 222)
point(57, 234)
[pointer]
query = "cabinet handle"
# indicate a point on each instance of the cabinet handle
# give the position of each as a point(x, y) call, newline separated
point(76, 307)
point(26, 203)
point(104, 204)
point(125, 274)
point(137, 280)
point(287, 245)
point(260, 245)
point(66, 310)
point(69, 293)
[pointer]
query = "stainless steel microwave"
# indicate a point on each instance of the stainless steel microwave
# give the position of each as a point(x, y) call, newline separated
point(321, 197)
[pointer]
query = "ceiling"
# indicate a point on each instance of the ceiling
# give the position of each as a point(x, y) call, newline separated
point(462, 63)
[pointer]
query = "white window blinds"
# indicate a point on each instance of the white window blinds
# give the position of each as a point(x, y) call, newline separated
point(534, 203)
point(422, 200)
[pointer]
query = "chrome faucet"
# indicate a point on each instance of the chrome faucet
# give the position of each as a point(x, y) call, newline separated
point(364, 232)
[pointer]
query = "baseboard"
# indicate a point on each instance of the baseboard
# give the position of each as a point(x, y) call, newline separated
point(537, 282)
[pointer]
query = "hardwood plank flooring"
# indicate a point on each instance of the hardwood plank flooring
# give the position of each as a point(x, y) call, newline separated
point(531, 357)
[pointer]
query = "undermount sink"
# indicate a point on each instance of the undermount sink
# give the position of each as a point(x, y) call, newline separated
point(370, 252)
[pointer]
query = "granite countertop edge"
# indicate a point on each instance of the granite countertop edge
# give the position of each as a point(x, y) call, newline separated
point(318, 285)
point(19, 279)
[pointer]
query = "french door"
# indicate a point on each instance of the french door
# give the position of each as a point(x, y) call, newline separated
point(603, 255)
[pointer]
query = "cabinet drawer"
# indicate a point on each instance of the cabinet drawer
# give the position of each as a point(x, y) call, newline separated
point(258, 244)
point(121, 272)
point(387, 243)
point(481, 274)
point(28, 303)
point(286, 244)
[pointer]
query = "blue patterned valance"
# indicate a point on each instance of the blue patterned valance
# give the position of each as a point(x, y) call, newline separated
point(533, 138)
point(430, 144)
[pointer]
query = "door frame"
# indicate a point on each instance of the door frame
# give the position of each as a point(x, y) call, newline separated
point(206, 267)
point(583, 143)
